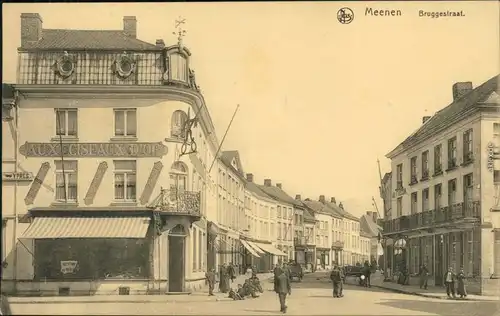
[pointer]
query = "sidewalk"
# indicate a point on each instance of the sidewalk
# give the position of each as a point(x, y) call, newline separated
point(198, 296)
point(377, 280)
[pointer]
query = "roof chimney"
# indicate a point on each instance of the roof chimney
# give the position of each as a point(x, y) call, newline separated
point(332, 200)
point(267, 182)
point(460, 89)
point(279, 185)
point(369, 213)
point(341, 205)
point(250, 177)
point(130, 26)
point(31, 28)
point(425, 119)
point(375, 217)
point(322, 198)
point(160, 43)
point(298, 197)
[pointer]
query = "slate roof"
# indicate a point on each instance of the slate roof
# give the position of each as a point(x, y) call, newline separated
point(308, 216)
point(280, 195)
point(369, 226)
point(342, 212)
point(317, 206)
point(254, 188)
point(365, 234)
point(59, 39)
point(443, 118)
point(227, 159)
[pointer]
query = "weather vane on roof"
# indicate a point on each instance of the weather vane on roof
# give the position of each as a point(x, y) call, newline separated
point(180, 31)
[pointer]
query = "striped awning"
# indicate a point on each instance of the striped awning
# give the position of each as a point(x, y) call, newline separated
point(249, 248)
point(271, 249)
point(87, 227)
point(255, 247)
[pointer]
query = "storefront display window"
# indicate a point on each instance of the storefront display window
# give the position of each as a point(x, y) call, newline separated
point(91, 259)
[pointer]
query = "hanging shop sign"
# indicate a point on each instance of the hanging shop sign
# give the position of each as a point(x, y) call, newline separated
point(490, 163)
point(17, 176)
point(132, 150)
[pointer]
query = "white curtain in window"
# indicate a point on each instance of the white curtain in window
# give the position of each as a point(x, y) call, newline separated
point(131, 123)
point(72, 123)
point(119, 123)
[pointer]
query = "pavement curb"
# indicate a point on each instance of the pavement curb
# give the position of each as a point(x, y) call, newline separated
point(431, 295)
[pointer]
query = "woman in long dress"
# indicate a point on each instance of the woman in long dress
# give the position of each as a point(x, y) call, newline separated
point(461, 288)
point(223, 285)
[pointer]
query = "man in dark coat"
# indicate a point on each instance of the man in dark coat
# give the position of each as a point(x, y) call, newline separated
point(367, 271)
point(210, 278)
point(231, 272)
point(337, 276)
point(423, 275)
point(277, 271)
point(449, 281)
point(283, 288)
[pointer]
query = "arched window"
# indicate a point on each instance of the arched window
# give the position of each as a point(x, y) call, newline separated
point(179, 119)
point(178, 67)
point(178, 176)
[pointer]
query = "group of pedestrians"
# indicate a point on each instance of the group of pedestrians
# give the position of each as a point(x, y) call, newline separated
point(227, 275)
point(455, 283)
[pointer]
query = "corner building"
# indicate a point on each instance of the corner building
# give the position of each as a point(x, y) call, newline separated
point(107, 203)
point(445, 188)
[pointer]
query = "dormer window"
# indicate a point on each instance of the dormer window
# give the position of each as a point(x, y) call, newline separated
point(178, 67)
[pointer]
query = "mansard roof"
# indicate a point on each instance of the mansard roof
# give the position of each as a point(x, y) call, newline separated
point(63, 39)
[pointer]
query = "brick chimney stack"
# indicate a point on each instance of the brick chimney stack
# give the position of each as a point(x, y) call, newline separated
point(298, 197)
point(250, 177)
point(267, 182)
point(322, 199)
point(375, 217)
point(341, 205)
point(130, 26)
point(31, 28)
point(369, 213)
point(332, 200)
point(460, 89)
point(279, 186)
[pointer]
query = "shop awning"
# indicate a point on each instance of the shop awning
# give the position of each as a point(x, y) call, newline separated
point(255, 247)
point(270, 249)
point(87, 227)
point(249, 248)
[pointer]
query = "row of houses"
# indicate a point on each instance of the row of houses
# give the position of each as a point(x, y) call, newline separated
point(113, 181)
point(442, 196)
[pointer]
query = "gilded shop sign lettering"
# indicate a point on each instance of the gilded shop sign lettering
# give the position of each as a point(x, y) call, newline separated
point(93, 150)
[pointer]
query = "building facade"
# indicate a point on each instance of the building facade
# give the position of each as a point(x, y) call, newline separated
point(445, 191)
point(130, 190)
point(285, 205)
point(230, 208)
point(371, 230)
point(364, 246)
point(260, 239)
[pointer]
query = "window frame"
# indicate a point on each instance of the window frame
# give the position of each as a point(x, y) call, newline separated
point(125, 122)
point(425, 164)
point(438, 159)
point(175, 58)
point(126, 173)
point(66, 173)
point(468, 145)
point(66, 122)
point(452, 152)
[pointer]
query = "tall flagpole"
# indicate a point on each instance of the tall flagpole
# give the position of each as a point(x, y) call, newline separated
point(223, 138)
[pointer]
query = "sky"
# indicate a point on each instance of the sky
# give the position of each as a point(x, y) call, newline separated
point(320, 101)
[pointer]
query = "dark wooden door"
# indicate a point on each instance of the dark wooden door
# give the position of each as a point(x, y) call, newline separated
point(176, 262)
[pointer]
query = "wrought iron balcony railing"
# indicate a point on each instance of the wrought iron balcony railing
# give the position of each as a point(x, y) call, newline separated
point(338, 244)
point(177, 202)
point(443, 215)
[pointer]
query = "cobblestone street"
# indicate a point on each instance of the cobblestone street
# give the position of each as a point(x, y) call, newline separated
point(311, 297)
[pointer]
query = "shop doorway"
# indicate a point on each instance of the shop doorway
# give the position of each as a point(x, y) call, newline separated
point(176, 259)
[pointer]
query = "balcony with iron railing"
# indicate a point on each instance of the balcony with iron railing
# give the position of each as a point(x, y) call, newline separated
point(338, 244)
point(300, 241)
point(432, 218)
point(177, 202)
